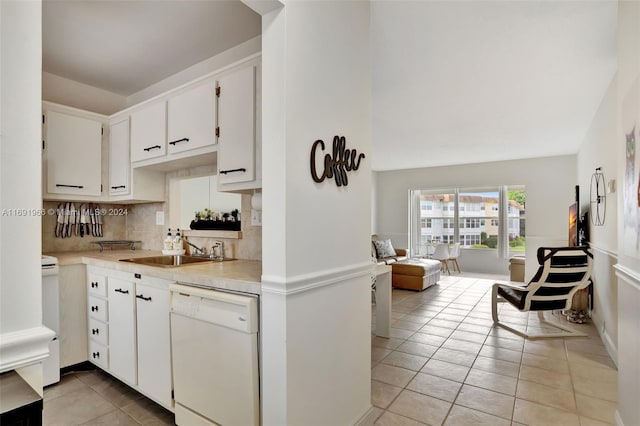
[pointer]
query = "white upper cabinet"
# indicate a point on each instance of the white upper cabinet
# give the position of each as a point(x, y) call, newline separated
point(214, 120)
point(149, 132)
point(191, 118)
point(73, 154)
point(237, 130)
point(119, 162)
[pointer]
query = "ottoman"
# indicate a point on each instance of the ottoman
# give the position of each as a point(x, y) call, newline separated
point(415, 274)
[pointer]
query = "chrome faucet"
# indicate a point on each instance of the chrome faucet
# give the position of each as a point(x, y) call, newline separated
point(220, 246)
point(199, 251)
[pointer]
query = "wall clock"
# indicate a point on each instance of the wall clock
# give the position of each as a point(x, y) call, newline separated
point(598, 198)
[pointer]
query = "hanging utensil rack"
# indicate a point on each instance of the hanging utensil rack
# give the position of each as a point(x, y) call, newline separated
point(111, 243)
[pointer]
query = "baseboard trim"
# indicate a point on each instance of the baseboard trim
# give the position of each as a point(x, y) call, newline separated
point(609, 345)
point(307, 282)
point(81, 366)
point(367, 419)
point(24, 347)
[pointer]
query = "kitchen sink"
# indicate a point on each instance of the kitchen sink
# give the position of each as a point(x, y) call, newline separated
point(171, 261)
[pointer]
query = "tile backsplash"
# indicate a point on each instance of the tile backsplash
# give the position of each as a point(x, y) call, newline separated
point(138, 222)
point(113, 228)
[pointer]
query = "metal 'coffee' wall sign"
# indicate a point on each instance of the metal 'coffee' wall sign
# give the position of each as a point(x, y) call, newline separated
point(337, 163)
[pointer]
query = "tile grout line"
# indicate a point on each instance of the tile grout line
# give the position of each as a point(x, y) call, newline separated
point(450, 296)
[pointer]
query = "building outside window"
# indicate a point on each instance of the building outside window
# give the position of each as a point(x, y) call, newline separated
point(476, 223)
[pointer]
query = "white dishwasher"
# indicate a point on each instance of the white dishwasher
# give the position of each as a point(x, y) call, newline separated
point(214, 343)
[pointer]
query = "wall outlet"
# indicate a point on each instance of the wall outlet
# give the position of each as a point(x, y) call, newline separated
point(159, 218)
point(256, 217)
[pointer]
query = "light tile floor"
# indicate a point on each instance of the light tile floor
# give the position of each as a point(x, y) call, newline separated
point(446, 364)
point(95, 398)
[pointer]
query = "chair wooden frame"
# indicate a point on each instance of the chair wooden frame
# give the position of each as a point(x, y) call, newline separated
point(547, 256)
point(441, 253)
point(454, 253)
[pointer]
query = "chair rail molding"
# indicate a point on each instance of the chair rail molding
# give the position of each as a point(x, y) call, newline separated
point(603, 250)
point(314, 280)
point(24, 347)
point(629, 276)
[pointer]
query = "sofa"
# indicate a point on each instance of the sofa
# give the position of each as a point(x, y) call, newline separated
point(398, 256)
point(406, 273)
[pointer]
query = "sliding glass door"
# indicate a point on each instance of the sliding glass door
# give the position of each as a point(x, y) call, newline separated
point(488, 218)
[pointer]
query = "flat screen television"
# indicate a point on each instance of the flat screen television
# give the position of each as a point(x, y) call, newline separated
point(574, 225)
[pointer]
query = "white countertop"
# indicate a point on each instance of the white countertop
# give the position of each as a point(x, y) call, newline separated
point(238, 275)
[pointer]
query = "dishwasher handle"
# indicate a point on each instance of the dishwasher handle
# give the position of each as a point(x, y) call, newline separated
point(233, 311)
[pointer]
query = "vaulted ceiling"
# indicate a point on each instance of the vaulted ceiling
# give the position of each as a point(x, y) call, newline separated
point(453, 82)
point(125, 46)
point(458, 82)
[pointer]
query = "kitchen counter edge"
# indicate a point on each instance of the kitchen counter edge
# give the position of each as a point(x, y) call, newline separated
point(236, 275)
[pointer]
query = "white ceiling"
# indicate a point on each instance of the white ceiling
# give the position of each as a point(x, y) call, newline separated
point(454, 82)
point(125, 46)
point(475, 81)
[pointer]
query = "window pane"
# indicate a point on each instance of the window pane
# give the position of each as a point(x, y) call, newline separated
point(516, 214)
point(479, 220)
point(437, 214)
point(476, 223)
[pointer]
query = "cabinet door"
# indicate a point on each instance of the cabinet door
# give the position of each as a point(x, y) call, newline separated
point(119, 163)
point(154, 343)
point(73, 150)
point(191, 119)
point(236, 120)
point(122, 329)
point(149, 132)
point(73, 315)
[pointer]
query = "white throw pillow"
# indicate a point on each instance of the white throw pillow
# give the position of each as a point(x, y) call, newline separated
point(384, 248)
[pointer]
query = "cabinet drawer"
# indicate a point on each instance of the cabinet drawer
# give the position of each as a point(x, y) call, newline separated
point(98, 331)
point(98, 354)
point(98, 308)
point(97, 285)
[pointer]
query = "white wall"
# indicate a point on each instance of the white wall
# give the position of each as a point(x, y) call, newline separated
point(549, 183)
point(23, 339)
point(207, 66)
point(316, 268)
point(63, 91)
point(628, 268)
point(594, 152)
point(20, 172)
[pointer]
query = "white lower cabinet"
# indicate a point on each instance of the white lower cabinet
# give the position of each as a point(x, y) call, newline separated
point(73, 315)
point(98, 315)
point(154, 348)
point(99, 332)
point(122, 330)
point(129, 331)
point(98, 354)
